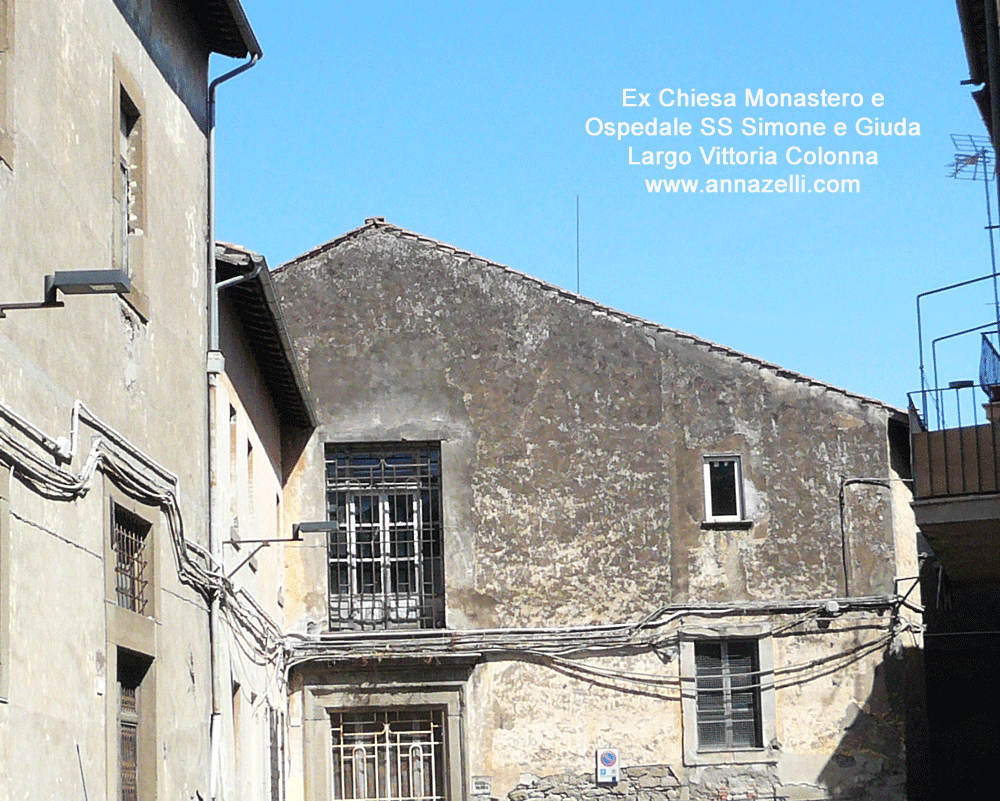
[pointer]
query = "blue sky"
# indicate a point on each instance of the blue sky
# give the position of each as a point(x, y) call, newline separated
point(467, 122)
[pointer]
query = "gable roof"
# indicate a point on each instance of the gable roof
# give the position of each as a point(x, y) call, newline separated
point(379, 224)
point(263, 325)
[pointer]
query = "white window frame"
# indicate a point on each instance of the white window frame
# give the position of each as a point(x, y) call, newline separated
point(737, 461)
point(383, 602)
point(693, 754)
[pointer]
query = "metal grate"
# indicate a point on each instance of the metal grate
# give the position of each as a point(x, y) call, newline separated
point(728, 688)
point(129, 536)
point(388, 755)
point(385, 553)
point(128, 743)
point(275, 754)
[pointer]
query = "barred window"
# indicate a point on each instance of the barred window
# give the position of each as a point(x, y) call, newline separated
point(389, 755)
point(131, 671)
point(129, 540)
point(385, 553)
point(276, 754)
point(728, 695)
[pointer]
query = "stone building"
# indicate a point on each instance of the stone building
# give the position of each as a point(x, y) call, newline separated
point(138, 630)
point(542, 538)
point(508, 538)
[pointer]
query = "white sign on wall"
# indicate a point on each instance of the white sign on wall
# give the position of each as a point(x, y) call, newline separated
point(608, 766)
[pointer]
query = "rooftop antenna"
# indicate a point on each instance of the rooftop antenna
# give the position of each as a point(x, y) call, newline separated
point(578, 247)
point(974, 161)
point(974, 158)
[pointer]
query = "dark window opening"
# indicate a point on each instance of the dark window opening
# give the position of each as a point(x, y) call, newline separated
point(723, 488)
point(130, 542)
point(131, 671)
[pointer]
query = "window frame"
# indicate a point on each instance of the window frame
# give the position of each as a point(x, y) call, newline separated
point(140, 675)
point(694, 754)
point(133, 559)
point(320, 701)
point(128, 245)
point(348, 737)
point(131, 637)
point(400, 561)
point(707, 486)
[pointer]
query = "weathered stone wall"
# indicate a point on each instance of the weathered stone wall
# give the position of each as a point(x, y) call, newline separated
point(572, 441)
point(639, 783)
point(575, 437)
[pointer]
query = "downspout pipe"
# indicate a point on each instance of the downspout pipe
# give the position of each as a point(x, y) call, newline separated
point(214, 366)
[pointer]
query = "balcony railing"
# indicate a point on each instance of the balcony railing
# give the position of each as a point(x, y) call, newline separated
point(955, 440)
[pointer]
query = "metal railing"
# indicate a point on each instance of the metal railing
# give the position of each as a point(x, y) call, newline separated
point(956, 443)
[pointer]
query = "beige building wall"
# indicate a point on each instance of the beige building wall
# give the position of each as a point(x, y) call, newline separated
point(136, 449)
point(250, 480)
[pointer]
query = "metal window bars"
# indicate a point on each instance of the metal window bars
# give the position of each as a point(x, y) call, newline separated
point(129, 535)
point(388, 755)
point(385, 551)
point(728, 695)
point(128, 743)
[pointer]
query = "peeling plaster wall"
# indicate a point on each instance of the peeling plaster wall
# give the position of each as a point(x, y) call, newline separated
point(572, 442)
point(146, 379)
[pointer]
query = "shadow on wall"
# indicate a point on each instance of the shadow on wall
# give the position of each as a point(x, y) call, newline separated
point(963, 694)
point(882, 734)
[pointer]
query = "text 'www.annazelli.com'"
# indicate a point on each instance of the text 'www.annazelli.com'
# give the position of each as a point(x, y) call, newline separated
point(793, 184)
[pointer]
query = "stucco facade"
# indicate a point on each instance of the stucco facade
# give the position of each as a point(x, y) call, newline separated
point(586, 573)
point(105, 572)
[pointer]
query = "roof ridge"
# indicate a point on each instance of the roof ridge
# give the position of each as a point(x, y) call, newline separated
point(379, 223)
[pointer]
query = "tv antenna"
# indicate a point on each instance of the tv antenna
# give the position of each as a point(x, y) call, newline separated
point(974, 160)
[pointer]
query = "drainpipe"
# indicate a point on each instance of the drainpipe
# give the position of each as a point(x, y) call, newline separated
point(215, 365)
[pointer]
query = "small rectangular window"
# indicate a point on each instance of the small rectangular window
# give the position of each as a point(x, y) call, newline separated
point(723, 488)
point(128, 184)
point(728, 695)
point(129, 541)
point(129, 187)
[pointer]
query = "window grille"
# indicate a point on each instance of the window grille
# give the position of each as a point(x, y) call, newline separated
point(128, 739)
point(728, 692)
point(275, 754)
point(387, 755)
point(129, 536)
point(385, 553)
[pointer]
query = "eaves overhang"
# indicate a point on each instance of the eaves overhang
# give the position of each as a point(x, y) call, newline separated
point(259, 314)
point(225, 27)
point(972, 17)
